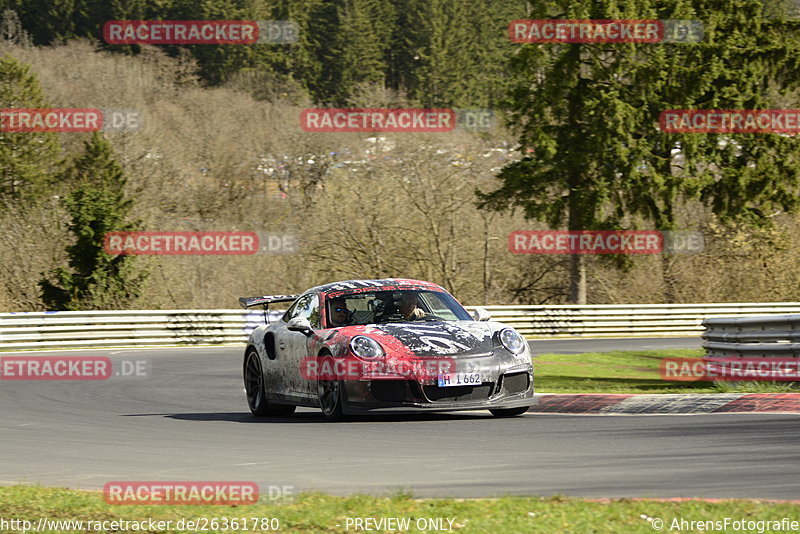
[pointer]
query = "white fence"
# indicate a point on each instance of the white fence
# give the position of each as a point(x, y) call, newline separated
point(172, 327)
point(125, 328)
point(626, 320)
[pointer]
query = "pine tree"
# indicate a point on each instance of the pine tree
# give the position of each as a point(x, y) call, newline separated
point(52, 21)
point(363, 36)
point(456, 51)
point(97, 205)
point(589, 113)
point(444, 53)
point(46, 20)
point(12, 31)
point(313, 59)
point(28, 160)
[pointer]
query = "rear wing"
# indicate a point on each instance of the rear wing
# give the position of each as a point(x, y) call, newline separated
point(249, 302)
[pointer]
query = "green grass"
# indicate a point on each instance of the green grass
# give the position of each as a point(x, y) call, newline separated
point(629, 372)
point(312, 512)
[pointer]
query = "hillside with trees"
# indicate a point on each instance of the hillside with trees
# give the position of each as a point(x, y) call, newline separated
point(220, 148)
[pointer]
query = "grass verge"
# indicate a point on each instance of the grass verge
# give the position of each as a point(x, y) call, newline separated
point(630, 372)
point(313, 512)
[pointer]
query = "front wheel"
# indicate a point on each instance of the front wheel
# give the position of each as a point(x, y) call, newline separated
point(255, 391)
point(330, 393)
point(508, 412)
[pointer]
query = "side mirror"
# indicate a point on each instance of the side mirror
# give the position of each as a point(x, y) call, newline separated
point(300, 324)
point(481, 314)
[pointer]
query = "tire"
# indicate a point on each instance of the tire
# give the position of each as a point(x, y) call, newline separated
point(509, 412)
point(330, 393)
point(254, 388)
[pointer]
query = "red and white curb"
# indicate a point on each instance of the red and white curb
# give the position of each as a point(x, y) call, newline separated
point(589, 403)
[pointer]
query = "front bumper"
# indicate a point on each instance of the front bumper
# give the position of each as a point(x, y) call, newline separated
point(510, 388)
point(362, 408)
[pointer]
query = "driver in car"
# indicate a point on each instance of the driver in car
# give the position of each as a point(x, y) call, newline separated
point(339, 314)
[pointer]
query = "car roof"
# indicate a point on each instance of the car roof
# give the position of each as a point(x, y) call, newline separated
point(348, 286)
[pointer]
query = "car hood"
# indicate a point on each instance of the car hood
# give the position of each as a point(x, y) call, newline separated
point(438, 338)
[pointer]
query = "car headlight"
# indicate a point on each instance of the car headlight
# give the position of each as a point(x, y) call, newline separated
point(512, 341)
point(366, 348)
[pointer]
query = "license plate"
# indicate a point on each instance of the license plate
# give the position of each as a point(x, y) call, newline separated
point(459, 379)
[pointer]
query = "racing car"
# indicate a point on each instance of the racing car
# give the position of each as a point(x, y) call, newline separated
point(377, 346)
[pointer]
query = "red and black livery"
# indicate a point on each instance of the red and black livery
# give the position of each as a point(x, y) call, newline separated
point(376, 346)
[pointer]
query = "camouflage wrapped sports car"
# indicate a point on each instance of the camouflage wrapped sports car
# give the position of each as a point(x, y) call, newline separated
point(383, 346)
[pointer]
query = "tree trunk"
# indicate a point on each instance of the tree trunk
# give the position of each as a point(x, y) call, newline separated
point(577, 279)
point(579, 219)
point(670, 280)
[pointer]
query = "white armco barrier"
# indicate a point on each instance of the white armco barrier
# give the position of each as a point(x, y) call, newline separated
point(770, 335)
point(32, 330)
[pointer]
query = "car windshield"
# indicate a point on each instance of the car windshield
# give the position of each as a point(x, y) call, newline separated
point(377, 307)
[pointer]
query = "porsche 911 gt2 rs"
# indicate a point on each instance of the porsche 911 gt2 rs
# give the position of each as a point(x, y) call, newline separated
point(376, 346)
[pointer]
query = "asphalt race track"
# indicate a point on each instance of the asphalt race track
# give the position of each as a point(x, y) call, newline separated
point(188, 420)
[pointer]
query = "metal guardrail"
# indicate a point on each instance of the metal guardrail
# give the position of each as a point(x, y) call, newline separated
point(34, 330)
point(771, 335)
point(626, 320)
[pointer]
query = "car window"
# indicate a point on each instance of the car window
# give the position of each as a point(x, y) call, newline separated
point(306, 306)
point(435, 304)
point(384, 306)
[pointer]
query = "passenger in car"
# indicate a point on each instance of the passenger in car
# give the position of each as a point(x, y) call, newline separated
point(408, 306)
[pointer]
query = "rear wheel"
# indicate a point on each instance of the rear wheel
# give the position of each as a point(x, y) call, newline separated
point(254, 388)
point(508, 412)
